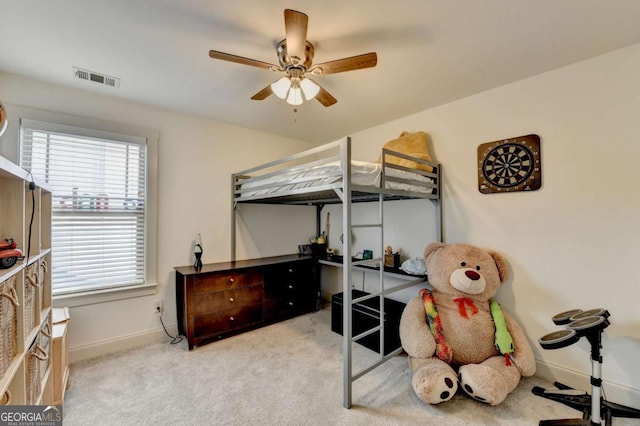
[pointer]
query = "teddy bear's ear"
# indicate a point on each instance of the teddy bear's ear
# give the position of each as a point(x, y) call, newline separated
point(501, 263)
point(432, 248)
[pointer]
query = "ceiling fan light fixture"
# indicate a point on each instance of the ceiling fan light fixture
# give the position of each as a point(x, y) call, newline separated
point(295, 96)
point(309, 88)
point(295, 54)
point(281, 87)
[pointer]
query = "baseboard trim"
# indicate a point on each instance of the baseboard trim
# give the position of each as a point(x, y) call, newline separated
point(121, 343)
point(614, 392)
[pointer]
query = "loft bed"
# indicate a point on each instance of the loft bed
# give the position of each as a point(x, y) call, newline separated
point(328, 175)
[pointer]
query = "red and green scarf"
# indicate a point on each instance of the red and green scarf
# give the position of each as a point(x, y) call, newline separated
point(435, 325)
point(503, 341)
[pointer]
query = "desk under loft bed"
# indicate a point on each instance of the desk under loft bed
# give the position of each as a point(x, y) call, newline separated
point(327, 175)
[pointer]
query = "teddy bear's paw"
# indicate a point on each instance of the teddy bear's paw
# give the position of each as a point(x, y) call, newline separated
point(483, 383)
point(434, 384)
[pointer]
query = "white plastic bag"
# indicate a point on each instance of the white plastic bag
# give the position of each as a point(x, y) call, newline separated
point(415, 266)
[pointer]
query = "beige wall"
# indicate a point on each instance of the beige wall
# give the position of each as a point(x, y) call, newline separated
point(575, 242)
point(196, 159)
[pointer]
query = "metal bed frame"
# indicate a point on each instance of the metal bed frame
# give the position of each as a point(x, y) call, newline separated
point(343, 191)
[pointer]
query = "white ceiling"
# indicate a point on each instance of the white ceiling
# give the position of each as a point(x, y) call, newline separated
point(430, 52)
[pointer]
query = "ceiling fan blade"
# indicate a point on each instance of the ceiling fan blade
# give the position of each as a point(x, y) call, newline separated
point(325, 97)
point(368, 60)
point(262, 94)
point(295, 24)
point(241, 60)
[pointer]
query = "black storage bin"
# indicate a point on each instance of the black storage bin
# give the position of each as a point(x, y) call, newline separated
point(365, 316)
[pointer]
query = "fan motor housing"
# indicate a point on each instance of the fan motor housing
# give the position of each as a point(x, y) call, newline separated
point(285, 60)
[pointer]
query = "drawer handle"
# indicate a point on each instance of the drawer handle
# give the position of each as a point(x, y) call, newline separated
point(231, 319)
point(46, 330)
point(290, 286)
point(12, 295)
point(34, 280)
point(290, 270)
point(231, 299)
point(40, 353)
point(6, 398)
point(290, 303)
point(231, 280)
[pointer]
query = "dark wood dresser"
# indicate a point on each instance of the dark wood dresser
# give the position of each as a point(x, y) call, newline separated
point(227, 298)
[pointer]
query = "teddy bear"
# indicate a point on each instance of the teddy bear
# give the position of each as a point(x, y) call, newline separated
point(456, 327)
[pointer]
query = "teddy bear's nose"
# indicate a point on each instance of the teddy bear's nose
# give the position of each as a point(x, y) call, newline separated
point(472, 275)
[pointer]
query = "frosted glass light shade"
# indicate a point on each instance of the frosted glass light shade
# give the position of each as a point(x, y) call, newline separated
point(281, 87)
point(309, 88)
point(295, 96)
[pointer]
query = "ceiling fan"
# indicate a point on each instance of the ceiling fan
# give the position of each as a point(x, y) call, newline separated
point(295, 54)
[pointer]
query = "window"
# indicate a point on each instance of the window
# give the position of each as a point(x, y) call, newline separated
point(99, 204)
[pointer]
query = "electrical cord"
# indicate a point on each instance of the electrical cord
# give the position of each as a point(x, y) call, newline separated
point(33, 211)
point(32, 187)
point(174, 339)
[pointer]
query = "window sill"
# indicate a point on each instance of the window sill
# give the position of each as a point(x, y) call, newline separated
point(103, 296)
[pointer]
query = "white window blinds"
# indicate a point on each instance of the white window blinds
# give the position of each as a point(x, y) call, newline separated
point(98, 184)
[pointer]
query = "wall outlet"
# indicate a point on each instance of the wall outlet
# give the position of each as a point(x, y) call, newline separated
point(158, 307)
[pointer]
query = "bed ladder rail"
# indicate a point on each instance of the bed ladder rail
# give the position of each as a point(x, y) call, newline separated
point(348, 376)
point(348, 266)
point(380, 327)
point(348, 301)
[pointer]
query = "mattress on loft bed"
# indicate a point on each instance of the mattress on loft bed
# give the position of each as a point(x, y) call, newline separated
point(362, 174)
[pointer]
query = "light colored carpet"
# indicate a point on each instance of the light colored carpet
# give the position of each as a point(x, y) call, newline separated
point(285, 374)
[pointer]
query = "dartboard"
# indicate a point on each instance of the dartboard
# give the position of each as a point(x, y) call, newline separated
point(510, 165)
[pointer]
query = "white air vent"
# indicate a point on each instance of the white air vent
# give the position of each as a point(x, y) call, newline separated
point(96, 77)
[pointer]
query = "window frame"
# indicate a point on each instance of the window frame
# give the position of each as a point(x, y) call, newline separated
point(100, 128)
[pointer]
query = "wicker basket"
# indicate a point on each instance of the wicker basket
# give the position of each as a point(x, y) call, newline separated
point(8, 323)
point(35, 357)
point(31, 288)
point(44, 344)
point(42, 276)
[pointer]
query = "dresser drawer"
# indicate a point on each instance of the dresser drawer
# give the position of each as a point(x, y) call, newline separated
point(290, 289)
point(290, 304)
point(228, 299)
point(296, 271)
point(223, 321)
point(225, 281)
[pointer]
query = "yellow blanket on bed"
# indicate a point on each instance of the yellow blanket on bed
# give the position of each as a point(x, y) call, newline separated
point(413, 144)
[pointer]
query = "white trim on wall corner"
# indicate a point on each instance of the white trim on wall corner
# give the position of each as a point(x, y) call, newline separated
point(120, 344)
point(614, 392)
